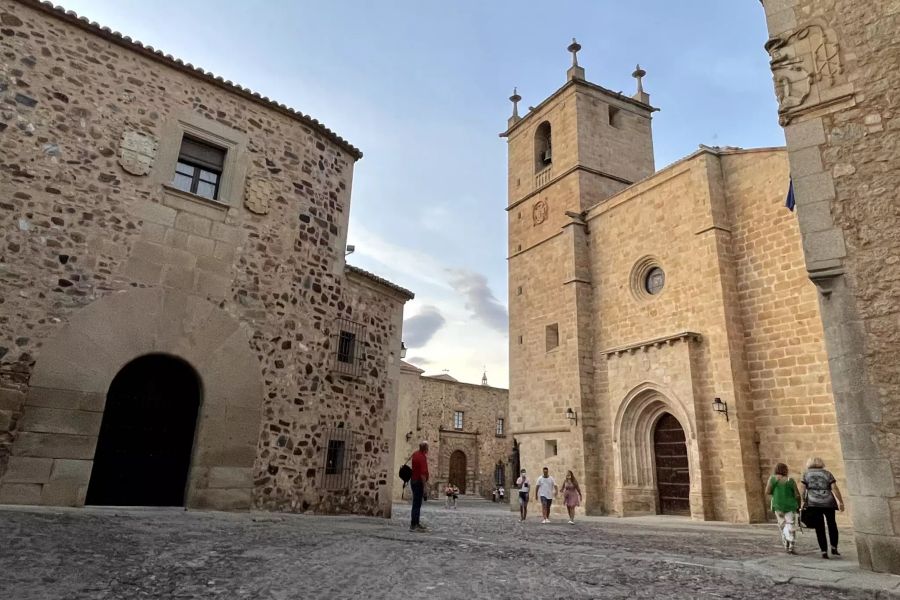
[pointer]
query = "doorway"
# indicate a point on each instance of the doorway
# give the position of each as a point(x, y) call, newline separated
point(673, 479)
point(147, 434)
point(458, 470)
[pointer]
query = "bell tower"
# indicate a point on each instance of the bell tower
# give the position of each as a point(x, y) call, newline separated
point(572, 151)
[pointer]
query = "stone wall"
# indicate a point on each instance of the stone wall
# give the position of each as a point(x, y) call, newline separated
point(836, 66)
point(735, 319)
point(91, 126)
point(426, 410)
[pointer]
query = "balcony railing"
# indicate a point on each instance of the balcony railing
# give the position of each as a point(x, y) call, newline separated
point(543, 177)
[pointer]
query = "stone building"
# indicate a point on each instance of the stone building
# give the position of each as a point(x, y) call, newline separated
point(665, 343)
point(465, 426)
point(177, 322)
point(836, 68)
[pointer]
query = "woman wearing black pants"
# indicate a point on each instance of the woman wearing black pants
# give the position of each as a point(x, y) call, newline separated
point(821, 497)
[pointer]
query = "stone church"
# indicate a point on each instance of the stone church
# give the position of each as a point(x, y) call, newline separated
point(178, 326)
point(466, 426)
point(665, 342)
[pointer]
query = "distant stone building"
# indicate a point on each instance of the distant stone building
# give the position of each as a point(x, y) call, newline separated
point(177, 322)
point(465, 426)
point(836, 70)
point(665, 342)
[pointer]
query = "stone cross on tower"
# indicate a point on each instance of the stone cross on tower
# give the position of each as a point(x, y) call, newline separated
point(640, 95)
point(515, 99)
point(574, 72)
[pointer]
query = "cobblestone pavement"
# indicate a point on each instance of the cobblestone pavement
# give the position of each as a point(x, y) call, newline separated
point(479, 551)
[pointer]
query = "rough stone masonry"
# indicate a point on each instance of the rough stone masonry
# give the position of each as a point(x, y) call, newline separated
point(105, 260)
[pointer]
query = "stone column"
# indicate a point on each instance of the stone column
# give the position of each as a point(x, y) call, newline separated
point(836, 66)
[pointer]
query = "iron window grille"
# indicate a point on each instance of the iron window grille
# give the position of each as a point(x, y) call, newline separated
point(500, 431)
point(199, 168)
point(349, 340)
point(500, 475)
point(337, 459)
point(458, 419)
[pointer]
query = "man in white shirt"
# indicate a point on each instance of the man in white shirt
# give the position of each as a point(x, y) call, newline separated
point(524, 488)
point(545, 490)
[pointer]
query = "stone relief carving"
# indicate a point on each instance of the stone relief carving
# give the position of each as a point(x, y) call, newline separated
point(256, 197)
point(804, 63)
point(539, 212)
point(137, 152)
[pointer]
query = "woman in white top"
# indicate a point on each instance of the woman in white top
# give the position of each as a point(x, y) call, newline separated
point(524, 487)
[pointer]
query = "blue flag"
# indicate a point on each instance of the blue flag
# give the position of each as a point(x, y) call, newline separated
point(790, 202)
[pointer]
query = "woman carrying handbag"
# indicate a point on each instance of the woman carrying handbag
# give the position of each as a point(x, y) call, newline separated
point(821, 497)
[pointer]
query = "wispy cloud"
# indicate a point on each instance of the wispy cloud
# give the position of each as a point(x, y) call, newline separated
point(417, 330)
point(479, 298)
point(419, 360)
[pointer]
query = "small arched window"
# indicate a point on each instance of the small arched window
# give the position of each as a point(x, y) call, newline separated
point(543, 147)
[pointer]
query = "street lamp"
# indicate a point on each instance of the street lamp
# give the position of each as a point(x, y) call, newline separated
point(571, 415)
point(720, 406)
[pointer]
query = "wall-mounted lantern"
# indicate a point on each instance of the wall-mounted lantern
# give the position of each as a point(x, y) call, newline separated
point(720, 406)
point(409, 435)
point(572, 415)
point(402, 350)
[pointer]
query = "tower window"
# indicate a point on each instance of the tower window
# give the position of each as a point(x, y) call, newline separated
point(457, 419)
point(519, 291)
point(500, 427)
point(550, 448)
point(543, 147)
point(552, 334)
point(615, 117)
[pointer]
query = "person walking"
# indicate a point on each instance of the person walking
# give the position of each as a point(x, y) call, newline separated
point(545, 490)
point(524, 487)
point(417, 484)
point(785, 504)
point(820, 498)
point(571, 495)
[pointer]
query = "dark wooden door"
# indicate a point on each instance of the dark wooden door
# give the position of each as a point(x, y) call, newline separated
point(673, 479)
point(458, 470)
point(146, 435)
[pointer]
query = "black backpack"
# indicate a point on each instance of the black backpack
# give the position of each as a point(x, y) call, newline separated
point(405, 474)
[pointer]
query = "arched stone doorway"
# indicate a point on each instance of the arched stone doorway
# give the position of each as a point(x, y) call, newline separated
point(673, 479)
point(64, 409)
point(457, 474)
point(646, 415)
point(147, 434)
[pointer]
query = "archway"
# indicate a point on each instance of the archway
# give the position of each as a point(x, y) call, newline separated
point(457, 474)
point(644, 413)
point(673, 478)
point(147, 434)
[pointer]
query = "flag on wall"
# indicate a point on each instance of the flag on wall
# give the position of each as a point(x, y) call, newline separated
point(789, 201)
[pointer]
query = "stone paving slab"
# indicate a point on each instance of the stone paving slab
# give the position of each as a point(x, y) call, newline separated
point(479, 551)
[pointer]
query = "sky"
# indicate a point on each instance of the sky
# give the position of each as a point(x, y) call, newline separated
point(421, 88)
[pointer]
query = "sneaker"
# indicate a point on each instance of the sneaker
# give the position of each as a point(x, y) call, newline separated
point(421, 527)
point(824, 555)
point(571, 522)
point(834, 552)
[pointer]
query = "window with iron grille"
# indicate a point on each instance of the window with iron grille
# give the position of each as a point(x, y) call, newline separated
point(500, 426)
point(199, 168)
point(337, 468)
point(500, 474)
point(349, 338)
point(458, 419)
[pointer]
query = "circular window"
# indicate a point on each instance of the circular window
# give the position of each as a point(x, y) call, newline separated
point(647, 278)
point(654, 281)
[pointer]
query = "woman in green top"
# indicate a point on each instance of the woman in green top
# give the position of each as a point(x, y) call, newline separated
point(785, 504)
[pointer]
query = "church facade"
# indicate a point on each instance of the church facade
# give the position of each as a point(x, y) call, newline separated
point(665, 342)
point(178, 326)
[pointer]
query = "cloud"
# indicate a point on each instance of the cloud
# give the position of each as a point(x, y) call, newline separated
point(419, 329)
point(418, 360)
point(479, 298)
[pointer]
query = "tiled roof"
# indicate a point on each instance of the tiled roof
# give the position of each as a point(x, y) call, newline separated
point(405, 292)
point(176, 63)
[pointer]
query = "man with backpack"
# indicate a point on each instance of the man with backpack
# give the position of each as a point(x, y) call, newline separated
point(417, 484)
